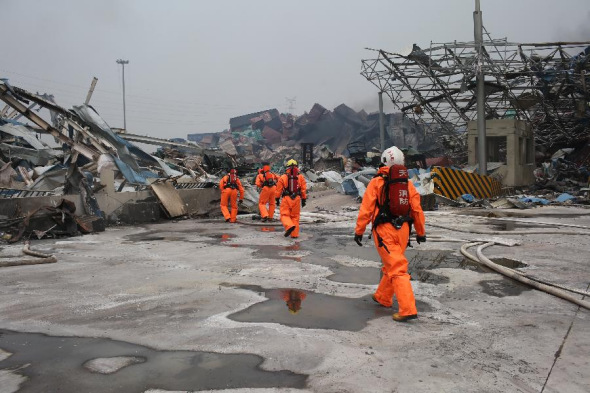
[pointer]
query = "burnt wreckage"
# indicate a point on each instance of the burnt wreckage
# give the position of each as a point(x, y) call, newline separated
point(103, 173)
point(545, 84)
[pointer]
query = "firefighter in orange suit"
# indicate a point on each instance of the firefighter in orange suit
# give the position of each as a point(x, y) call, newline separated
point(293, 190)
point(230, 185)
point(266, 182)
point(391, 233)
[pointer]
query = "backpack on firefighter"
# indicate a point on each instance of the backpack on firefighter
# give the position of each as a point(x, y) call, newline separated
point(293, 188)
point(232, 180)
point(395, 207)
point(269, 179)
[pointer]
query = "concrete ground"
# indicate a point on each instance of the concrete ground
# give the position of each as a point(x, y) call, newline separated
point(202, 305)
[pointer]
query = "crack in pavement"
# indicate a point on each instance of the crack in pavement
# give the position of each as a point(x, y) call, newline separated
point(558, 353)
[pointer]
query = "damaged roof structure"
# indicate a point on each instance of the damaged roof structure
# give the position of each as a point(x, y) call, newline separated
point(96, 175)
point(93, 167)
point(537, 98)
point(545, 84)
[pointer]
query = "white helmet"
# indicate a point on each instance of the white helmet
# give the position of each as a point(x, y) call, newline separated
point(392, 156)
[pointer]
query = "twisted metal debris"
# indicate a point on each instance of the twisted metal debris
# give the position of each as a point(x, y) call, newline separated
point(546, 84)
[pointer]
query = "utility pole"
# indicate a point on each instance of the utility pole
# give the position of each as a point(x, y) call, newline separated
point(123, 62)
point(381, 122)
point(482, 158)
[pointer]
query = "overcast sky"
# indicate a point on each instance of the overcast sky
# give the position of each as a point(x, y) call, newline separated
point(194, 64)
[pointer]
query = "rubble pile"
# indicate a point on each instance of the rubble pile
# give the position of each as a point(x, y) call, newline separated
point(89, 150)
point(336, 136)
point(337, 148)
point(566, 171)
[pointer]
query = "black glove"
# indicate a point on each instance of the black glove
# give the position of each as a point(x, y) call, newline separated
point(303, 202)
point(420, 239)
point(278, 201)
point(240, 201)
point(358, 239)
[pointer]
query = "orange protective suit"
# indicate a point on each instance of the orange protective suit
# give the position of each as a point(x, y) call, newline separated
point(230, 194)
point(267, 194)
point(291, 206)
point(395, 279)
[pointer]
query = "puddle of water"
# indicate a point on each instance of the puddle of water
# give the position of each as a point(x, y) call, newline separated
point(172, 235)
point(294, 247)
point(163, 238)
point(267, 229)
point(150, 236)
point(55, 364)
point(511, 226)
point(431, 278)
point(309, 310)
point(421, 262)
point(507, 262)
point(504, 287)
point(224, 237)
point(427, 260)
point(356, 275)
point(276, 252)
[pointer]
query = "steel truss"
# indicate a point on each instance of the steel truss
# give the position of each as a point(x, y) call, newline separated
point(546, 84)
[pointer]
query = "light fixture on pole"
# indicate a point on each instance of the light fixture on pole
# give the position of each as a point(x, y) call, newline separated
point(123, 62)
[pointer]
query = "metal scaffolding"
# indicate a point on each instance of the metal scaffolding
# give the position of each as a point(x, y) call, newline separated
point(546, 84)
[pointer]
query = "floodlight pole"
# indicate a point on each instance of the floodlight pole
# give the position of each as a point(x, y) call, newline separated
point(480, 93)
point(123, 62)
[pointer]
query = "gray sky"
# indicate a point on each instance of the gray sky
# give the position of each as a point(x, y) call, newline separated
point(194, 64)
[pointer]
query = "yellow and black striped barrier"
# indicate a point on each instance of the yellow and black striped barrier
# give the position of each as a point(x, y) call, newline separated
point(452, 183)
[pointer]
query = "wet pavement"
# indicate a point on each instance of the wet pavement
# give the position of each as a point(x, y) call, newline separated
point(56, 364)
point(308, 310)
point(202, 304)
point(503, 287)
point(323, 245)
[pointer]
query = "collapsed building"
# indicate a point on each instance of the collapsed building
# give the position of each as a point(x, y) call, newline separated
point(93, 178)
point(542, 89)
point(97, 175)
point(537, 107)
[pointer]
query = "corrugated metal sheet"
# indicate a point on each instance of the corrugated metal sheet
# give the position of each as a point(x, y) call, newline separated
point(14, 193)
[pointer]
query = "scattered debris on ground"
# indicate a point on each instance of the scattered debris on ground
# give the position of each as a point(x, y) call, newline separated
point(339, 148)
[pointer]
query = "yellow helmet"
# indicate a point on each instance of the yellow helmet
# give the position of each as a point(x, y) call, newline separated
point(291, 162)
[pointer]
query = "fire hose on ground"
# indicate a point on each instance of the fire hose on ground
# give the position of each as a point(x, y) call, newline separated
point(558, 290)
point(41, 258)
point(547, 287)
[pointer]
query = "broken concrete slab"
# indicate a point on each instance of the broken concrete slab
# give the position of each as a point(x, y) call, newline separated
point(170, 199)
